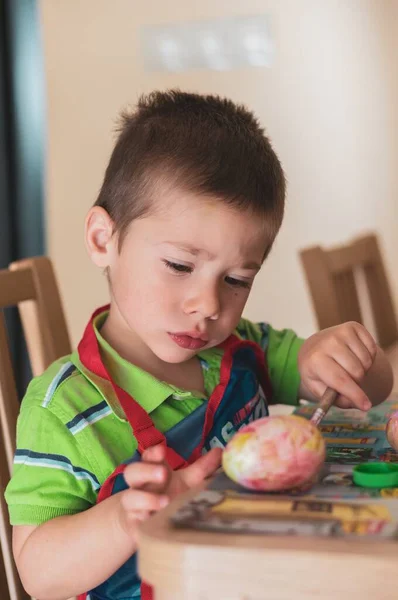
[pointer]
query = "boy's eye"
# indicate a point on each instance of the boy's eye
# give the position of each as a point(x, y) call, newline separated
point(177, 267)
point(237, 282)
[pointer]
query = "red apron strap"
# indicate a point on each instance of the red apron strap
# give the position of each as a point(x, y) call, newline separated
point(146, 591)
point(141, 423)
point(262, 369)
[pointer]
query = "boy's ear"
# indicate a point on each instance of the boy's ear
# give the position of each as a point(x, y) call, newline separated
point(99, 238)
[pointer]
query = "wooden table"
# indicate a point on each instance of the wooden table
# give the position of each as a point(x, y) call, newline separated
point(194, 565)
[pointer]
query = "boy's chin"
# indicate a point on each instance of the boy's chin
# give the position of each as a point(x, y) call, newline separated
point(171, 355)
point(176, 357)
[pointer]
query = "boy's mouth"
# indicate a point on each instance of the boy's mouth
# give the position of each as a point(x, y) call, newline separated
point(189, 341)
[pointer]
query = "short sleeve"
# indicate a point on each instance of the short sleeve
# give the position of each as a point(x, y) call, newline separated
point(51, 475)
point(281, 348)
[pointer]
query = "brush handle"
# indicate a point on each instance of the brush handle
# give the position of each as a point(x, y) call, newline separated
point(328, 399)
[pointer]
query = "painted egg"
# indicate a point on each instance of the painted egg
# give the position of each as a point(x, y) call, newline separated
point(275, 454)
point(392, 430)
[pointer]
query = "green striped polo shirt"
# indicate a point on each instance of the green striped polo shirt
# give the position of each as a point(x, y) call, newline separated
point(72, 432)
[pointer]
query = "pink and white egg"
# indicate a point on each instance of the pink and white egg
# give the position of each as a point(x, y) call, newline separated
point(392, 430)
point(275, 454)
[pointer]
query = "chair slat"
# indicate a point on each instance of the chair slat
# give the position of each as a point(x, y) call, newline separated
point(16, 287)
point(50, 313)
point(321, 285)
point(9, 405)
point(331, 278)
point(31, 285)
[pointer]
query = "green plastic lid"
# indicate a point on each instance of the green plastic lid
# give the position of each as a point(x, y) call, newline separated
point(376, 475)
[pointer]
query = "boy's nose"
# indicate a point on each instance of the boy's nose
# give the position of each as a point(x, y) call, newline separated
point(204, 301)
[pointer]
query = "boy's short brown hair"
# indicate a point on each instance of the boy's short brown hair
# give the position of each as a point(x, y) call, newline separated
point(205, 144)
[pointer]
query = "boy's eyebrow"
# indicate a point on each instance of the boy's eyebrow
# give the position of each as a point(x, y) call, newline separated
point(251, 265)
point(189, 248)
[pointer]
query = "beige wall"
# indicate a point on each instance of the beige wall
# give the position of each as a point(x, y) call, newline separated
point(329, 104)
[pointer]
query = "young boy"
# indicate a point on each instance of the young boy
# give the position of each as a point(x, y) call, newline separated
point(190, 206)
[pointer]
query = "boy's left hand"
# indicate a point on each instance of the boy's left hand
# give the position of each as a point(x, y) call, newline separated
point(174, 483)
point(339, 358)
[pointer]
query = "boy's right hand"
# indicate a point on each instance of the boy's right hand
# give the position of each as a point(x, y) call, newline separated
point(152, 483)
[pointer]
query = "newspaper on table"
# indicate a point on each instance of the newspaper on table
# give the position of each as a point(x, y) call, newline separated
point(334, 506)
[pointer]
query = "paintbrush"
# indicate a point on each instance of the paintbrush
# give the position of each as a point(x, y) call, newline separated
point(327, 400)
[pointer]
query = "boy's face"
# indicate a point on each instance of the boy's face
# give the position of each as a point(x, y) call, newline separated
point(182, 277)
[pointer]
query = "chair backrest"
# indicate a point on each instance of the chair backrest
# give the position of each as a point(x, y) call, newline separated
point(332, 277)
point(30, 285)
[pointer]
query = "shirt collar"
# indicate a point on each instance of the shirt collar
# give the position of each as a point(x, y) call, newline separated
point(148, 391)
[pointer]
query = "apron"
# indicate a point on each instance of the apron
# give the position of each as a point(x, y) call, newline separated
point(240, 397)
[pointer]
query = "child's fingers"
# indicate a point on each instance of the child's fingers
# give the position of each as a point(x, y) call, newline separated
point(155, 454)
point(362, 345)
point(349, 360)
point(141, 515)
point(361, 342)
point(139, 500)
point(343, 402)
point(363, 355)
point(367, 340)
point(139, 474)
point(333, 375)
point(205, 465)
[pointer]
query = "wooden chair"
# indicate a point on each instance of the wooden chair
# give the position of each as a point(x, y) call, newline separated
point(31, 285)
point(332, 277)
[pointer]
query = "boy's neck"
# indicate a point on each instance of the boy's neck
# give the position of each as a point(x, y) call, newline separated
point(130, 347)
